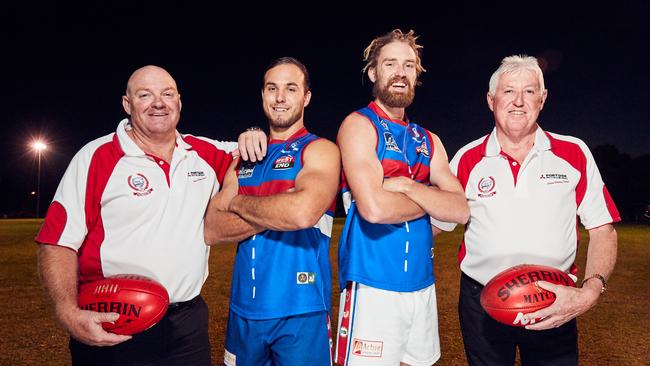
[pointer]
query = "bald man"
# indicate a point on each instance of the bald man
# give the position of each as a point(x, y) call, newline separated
point(132, 202)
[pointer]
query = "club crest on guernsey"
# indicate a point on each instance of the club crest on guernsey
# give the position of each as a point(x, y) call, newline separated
point(391, 144)
point(139, 184)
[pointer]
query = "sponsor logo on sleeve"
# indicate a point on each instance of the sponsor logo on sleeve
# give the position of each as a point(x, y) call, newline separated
point(365, 348)
point(140, 184)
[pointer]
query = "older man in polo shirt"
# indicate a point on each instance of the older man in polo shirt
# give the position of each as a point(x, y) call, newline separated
point(525, 187)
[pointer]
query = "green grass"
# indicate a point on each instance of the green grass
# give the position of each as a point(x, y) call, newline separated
point(613, 333)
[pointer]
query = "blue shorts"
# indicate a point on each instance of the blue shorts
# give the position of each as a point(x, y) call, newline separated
point(294, 340)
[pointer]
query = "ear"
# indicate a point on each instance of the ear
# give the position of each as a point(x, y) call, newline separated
point(372, 74)
point(307, 98)
point(180, 104)
point(544, 95)
point(490, 101)
point(126, 104)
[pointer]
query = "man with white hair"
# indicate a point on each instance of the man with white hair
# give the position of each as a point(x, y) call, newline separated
point(525, 187)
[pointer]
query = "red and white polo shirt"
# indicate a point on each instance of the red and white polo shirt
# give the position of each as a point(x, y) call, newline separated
point(526, 213)
point(126, 212)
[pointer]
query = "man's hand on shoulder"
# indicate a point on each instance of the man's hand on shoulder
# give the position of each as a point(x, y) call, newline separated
point(251, 144)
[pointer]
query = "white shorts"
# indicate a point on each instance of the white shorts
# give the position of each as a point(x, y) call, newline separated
point(379, 327)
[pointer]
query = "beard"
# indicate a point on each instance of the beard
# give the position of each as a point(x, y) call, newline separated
point(284, 122)
point(394, 100)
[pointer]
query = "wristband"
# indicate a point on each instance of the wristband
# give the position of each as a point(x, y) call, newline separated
point(598, 276)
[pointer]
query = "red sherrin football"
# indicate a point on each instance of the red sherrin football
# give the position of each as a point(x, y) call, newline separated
point(140, 301)
point(512, 293)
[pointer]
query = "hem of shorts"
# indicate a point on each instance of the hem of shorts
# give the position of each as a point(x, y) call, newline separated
point(388, 287)
point(427, 362)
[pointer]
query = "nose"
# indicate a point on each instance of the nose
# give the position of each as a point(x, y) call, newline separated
point(158, 102)
point(519, 99)
point(400, 71)
point(280, 96)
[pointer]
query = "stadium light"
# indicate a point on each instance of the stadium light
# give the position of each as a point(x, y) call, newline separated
point(38, 146)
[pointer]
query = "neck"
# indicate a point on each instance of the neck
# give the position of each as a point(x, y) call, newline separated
point(393, 113)
point(160, 146)
point(283, 133)
point(516, 145)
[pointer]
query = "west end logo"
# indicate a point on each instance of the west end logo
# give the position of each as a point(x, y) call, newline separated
point(284, 162)
point(486, 187)
point(140, 184)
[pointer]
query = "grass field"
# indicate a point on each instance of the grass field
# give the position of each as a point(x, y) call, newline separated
point(613, 333)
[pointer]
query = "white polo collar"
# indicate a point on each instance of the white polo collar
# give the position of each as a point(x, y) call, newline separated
point(129, 146)
point(493, 148)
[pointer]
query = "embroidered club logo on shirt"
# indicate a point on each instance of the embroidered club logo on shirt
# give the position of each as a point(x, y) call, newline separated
point(486, 186)
point(284, 162)
point(365, 348)
point(140, 184)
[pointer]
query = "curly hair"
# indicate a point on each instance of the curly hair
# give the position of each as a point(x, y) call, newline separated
point(371, 53)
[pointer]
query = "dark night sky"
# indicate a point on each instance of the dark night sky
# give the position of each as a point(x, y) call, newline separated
point(65, 69)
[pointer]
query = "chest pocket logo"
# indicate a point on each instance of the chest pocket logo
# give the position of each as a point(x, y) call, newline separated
point(486, 187)
point(139, 184)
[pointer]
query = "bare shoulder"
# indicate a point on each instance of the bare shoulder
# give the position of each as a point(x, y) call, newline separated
point(322, 147)
point(355, 122)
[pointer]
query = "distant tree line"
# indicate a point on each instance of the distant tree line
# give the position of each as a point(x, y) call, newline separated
point(627, 179)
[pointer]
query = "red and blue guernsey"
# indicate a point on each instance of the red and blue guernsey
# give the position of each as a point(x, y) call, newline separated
point(281, 273)
point(394, 257)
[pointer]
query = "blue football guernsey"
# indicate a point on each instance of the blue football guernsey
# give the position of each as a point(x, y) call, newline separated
point(281, 273)
point(394, 257)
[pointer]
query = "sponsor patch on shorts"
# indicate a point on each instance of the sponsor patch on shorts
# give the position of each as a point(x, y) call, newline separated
point(305, 278)
point(363, 348)
point(229, 359)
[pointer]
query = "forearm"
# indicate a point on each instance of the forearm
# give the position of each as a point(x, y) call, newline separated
point(57, 268)
point(439, 204)
point(387, 207)
point(601, 254)
point(282, 212)
point(227, 227)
